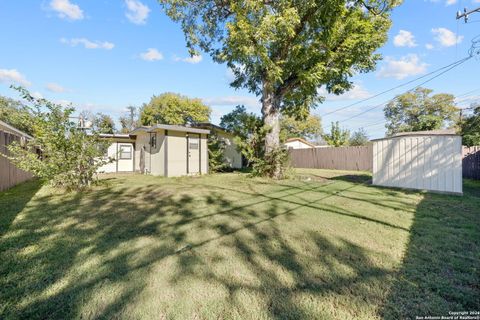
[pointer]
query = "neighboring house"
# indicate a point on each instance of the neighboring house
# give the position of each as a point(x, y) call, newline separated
point(10, 175)
point(298, 143)
point(232, 156)
point(162, 150)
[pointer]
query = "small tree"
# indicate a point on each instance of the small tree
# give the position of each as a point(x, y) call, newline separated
point(359, 138)
point(337, 137)
point(470, 128)
point(69, 157)
point(216, 147)
point(172, 108)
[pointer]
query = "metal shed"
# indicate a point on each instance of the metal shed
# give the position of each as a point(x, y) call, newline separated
point(425, 160)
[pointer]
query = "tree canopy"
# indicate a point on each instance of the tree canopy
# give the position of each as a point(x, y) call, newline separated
point(418, 110)
point(172, 108)
point(69, 156)
point(337, 137)
point(307, 128)
point(129, 121)
point(471, 128)
point(16, 114)
point(285, 50)
point(359, 138)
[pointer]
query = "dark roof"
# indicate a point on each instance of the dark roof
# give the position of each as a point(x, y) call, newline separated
point(169, 127)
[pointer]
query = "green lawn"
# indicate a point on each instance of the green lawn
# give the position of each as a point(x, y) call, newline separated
point(323, 246)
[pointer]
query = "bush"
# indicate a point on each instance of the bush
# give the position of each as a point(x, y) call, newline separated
point(69, 157)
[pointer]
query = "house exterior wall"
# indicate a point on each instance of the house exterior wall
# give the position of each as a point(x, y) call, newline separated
point(429, 162)
point(118, 165)
point(157, 154)
point(142, 141)
point(297, 145)
point(176, 153)
point(203, 154)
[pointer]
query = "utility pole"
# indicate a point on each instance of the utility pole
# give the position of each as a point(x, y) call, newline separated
point(466, 13)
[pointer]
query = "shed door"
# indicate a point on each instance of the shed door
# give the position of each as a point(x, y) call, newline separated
point(193, 153)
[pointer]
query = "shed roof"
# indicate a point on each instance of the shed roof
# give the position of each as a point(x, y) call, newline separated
point(440, 132)
point(169, 127)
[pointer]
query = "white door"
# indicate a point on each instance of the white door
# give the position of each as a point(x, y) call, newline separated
point(125, 157)
point(193, 153)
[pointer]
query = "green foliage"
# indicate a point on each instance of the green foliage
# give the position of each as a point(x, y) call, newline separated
point(286, 50)
point(359, 138)
point(240, 122)
point(130, 121)
point(69, 157)
point(216, 147)
point(470, 128)
point(16, 114)
point(307, 128)
point(101, 123)
point(418, 111)
point(172, 108)
point(270, 162)
point(104, 124)
point(337, 137)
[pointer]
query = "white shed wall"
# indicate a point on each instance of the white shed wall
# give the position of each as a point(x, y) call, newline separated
point(431, 163)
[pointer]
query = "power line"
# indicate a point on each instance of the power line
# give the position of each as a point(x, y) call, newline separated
point(412, 89)
point(396, 87)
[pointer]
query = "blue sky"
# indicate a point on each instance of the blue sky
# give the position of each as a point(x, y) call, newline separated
point(105, 55)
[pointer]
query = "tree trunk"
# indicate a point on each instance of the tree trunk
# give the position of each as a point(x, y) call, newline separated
point(271, 118)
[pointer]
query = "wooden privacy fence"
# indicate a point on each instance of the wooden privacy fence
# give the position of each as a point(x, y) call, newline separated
point(341, 158)
point(471, 162)
point(9, 174)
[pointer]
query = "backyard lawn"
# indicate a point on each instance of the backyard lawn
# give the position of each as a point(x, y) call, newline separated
point(325, 245)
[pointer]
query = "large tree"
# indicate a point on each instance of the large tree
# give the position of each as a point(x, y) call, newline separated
point(359, 138)
point(470, 127)
point(284, 50)
point(172, 108)
point(418, 110)
point(130, 121)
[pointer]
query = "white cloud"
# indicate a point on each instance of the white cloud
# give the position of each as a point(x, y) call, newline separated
point(10, 76)
point(88, 44)
point(37, 95)
point(357, 92)
point(447, 2)
point(137, 12)
point(445, 37)
point(251, 102)
point(404, 39)
point(429, 46)
point(54, 87)
point(406, 66)
point(151, 55)
point(194, 59)
point(66, 10)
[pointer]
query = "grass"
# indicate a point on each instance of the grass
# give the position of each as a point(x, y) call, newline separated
point(323, 246)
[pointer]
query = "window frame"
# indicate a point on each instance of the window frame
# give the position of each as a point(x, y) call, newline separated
point(121, 152)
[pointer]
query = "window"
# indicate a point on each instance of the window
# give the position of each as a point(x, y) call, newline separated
point(125, 152)
point(153, 141)
point(193, 143)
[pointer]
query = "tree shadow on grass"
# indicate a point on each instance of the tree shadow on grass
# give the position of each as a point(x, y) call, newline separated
point(162, 250)
point(14, 200)
point(440, 270)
